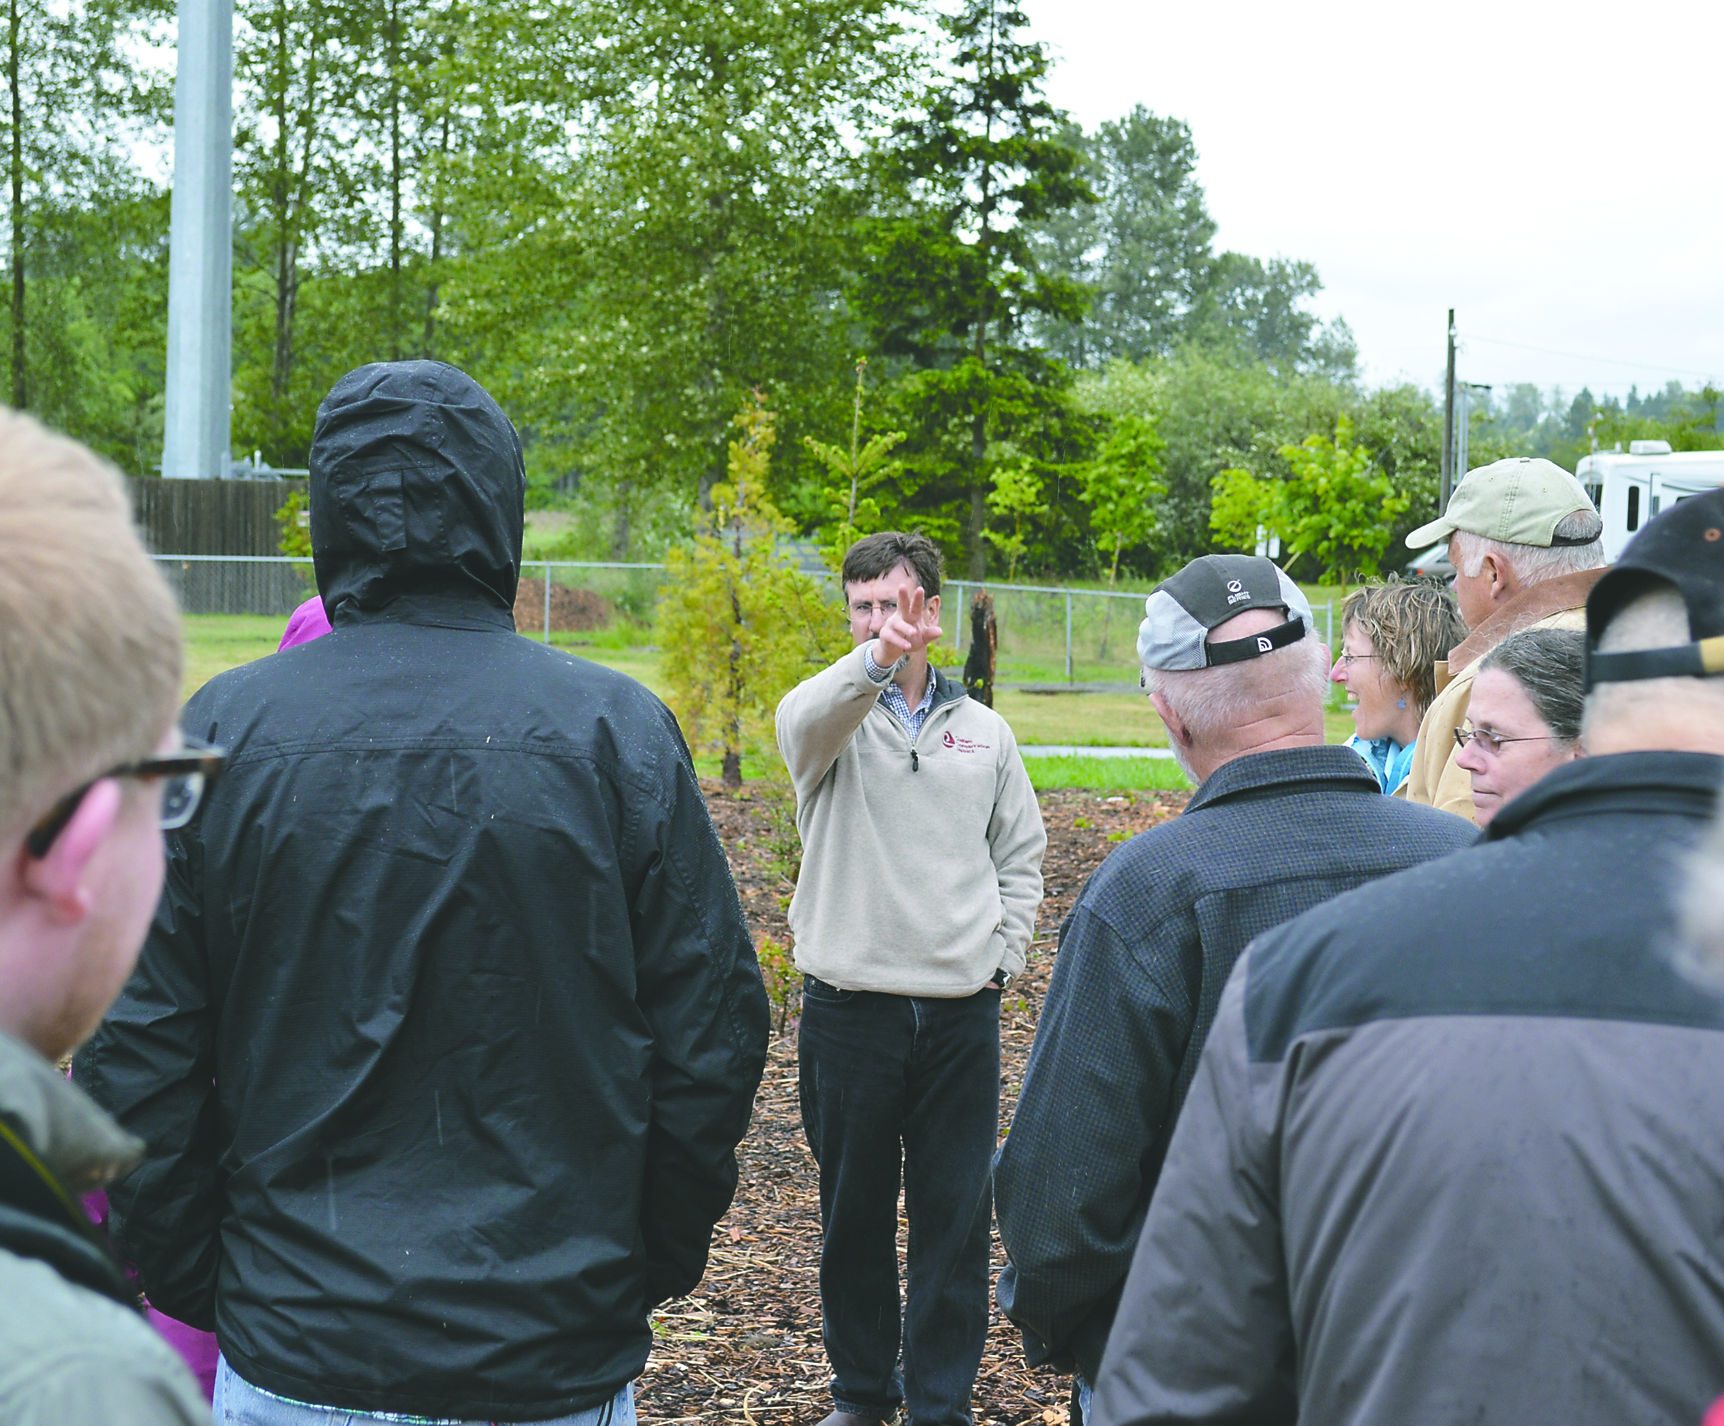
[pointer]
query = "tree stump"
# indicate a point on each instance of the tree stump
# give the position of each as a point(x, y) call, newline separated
point(984, 644)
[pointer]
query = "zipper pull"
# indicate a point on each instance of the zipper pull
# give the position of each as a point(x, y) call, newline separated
point(915, 762)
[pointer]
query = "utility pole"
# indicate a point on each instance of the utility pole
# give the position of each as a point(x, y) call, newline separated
point(1449, 424)
point(200, 248)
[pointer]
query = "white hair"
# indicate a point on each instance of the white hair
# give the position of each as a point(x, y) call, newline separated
point(1208, 701)
point(1657, 619)
point(1533, 564)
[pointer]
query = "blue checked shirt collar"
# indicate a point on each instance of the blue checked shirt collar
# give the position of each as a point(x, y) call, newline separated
point(893, 696)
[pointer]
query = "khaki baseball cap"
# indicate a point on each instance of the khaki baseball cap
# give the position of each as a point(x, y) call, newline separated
point(1519, 501)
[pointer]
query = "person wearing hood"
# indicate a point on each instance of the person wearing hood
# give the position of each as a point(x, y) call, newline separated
point(449, 1023)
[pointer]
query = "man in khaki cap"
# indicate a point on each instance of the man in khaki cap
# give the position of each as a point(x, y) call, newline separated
point(1525, 543)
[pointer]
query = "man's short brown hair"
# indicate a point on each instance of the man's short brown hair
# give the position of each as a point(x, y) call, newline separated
point(90, 658)
point(875, 555)
point(1411, 627)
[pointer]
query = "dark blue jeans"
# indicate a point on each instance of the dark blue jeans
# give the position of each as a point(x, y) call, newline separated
point(890, 1081)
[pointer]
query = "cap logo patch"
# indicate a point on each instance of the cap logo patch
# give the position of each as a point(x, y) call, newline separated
point(1264, 646)
point(1235, 591)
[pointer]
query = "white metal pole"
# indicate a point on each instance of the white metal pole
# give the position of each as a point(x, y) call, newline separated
point(547, 601)
point(1068, 638)
point(200, 247)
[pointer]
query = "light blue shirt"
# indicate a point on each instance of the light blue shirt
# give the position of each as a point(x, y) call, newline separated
point(1386, 758)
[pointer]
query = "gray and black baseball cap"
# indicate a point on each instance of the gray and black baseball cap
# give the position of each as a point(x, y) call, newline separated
point(1206, 594)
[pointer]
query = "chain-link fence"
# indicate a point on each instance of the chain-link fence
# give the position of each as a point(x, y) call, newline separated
point(1046, 634)
point(1052, 635)
point(238, 584)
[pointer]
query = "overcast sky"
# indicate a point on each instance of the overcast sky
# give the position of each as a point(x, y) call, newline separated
point(1550, 171)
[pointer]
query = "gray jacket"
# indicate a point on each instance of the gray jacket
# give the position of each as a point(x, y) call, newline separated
point(70, 1356)
point(1452, 1151)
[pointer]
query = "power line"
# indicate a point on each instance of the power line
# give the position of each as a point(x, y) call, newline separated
point(1606, 361)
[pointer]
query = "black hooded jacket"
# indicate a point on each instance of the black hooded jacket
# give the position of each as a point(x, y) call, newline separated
point(449, 1022)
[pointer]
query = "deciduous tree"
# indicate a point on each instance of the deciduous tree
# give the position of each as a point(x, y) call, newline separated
point(744, 625)
point(1334, 505)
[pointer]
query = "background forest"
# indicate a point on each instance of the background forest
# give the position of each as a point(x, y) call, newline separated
point(634, 219)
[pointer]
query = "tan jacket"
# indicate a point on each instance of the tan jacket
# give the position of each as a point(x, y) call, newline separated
point(1436, 780)
point(70, 1356)
point(921, 861)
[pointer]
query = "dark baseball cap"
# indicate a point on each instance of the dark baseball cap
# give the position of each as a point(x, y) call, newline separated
point(1208, 592)
point(1683, 549)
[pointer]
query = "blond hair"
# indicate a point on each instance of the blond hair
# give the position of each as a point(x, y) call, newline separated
point(90, 655)
point(1411, 627)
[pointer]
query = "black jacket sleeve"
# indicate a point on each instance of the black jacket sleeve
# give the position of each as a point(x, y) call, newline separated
point(699, 987)
point(1074, 1176)
point(152, 1066)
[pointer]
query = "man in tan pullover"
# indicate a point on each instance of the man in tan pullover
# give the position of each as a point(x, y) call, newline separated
point(1525, 543)
point(921, 874)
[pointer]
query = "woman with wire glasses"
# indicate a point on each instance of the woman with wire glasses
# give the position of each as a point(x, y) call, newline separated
point(1391, 638)
point(1523, 719)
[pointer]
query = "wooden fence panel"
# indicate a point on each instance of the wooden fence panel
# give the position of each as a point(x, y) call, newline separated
point(220, 517)
point(210, 517)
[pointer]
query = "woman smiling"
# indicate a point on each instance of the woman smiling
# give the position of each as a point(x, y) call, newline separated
point(1391, 638)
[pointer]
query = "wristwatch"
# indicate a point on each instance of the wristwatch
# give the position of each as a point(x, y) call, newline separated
point(1002, 979)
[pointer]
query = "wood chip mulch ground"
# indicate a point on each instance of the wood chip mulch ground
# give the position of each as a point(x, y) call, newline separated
point(746, 1346)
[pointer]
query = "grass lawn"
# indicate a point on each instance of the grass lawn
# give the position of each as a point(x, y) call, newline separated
point(1109, 720)
point(217, 642)
point(1106, 774)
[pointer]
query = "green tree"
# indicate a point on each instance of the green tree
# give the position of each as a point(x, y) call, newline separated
point(746, 626)
point(1017, 495)
point(1255, 310)
point(857, 470)
point(1120, 487)
point(78, 98)
point(1333, 505)
point(950, 274)
point(1143, 248)
point(664, 194)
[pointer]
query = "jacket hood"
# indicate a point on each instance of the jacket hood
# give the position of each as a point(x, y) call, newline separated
point(417, 487)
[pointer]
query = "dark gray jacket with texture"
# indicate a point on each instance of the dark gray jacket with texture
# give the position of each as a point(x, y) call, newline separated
point(1453, 1151)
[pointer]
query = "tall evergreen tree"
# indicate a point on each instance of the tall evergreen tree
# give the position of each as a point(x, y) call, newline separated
point(951, 276)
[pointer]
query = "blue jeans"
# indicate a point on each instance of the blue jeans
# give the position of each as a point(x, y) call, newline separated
point(239, 1402)
point(890, 1084)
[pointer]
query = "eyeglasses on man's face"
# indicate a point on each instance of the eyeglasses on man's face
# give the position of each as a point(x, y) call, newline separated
point(1493, 743)
point(186, 775)
point(862, 611)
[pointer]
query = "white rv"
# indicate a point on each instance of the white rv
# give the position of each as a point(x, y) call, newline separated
point(1629, 489)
